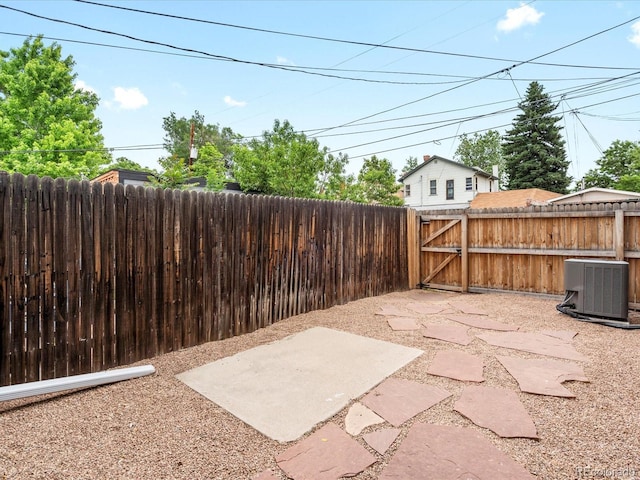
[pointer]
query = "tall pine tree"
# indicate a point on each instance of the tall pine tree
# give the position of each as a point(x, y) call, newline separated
point(533, 149)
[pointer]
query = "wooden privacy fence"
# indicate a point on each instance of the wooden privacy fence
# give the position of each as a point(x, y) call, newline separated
point(524, 249)
point(94, 276)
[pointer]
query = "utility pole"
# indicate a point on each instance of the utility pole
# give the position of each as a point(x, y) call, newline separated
point(193, 151)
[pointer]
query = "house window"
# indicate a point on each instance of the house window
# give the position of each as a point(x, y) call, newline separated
point(449, 189)
point(432, 187)
point(407, 190)
point(468, 184)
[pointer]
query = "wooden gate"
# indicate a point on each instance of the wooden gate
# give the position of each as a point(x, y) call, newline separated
point(444, 251)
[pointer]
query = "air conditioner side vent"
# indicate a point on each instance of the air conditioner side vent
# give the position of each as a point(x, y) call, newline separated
point(598, 287)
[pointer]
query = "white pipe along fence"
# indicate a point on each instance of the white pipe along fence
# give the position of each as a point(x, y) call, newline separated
point(13, 392)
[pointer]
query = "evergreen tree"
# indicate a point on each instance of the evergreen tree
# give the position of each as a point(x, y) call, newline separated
point(533, 149)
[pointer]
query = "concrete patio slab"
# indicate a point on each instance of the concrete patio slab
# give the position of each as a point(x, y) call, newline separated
point(457, 365)
point(479, 321)
point(381, 440)
point(450, 453)
point(360, 417)
point(543, 376)
point(534, 343)
point(403, 323)
point(397, 400)
point(447, 333)
point(283, 389)
point(497, 409)
point(327, 454)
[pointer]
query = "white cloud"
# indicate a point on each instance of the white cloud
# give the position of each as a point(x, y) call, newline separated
point(284, 61)
point(81, 85)
point(519, 17)
point(635, 37)
point(233, 103)
point(129, 98)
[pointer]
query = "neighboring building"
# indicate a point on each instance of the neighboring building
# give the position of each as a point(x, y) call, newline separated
point(597, 195)
point(134, 177)
point(125, 177)
point(513, 198)
point(439, 183)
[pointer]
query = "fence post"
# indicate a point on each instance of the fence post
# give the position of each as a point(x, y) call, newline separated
point(464, 250)
point(618, 234)
point(413, 248)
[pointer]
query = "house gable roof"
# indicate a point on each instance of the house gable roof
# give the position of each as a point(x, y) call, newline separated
point(433, 158)
point(512, 198)
point(596, 194)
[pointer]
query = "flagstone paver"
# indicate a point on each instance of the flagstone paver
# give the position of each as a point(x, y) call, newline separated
point(403, 323)
point(543, 376)
point(566, 335)
point(479, 321)
point(497, 409)
point(327, 454)
point(381, 440)
point(458, 365)
point(534, 343)
point(427, 308)
point(447, 333)
point(360, 417)
point(393, 311)
point(397, 400)
point(450, 453)
point(467, 308)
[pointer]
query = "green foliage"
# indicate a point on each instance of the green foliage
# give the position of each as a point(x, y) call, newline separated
point(210, 164)
point(619, 168)
point(123, 163)
point(46, 125)
point(482, 151)
point(377, 183)
point(411, 163)
point(177, 138)
point(533, 149)
point(175, 173)
point(333, 182)
point(284, 162)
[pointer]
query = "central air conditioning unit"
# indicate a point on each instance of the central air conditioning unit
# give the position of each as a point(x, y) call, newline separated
point(597, 288)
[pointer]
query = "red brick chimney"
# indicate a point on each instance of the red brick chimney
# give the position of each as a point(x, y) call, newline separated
point(426, 158)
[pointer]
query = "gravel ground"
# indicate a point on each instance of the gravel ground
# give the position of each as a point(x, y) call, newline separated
point(155, 427)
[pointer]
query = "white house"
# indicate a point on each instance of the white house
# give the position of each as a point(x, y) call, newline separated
point(439, 183)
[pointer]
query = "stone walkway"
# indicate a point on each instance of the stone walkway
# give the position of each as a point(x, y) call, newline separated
point(440, 451)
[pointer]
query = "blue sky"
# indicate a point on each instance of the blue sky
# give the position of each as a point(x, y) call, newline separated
point(445, 68)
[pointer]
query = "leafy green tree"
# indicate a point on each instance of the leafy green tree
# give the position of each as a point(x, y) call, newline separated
point(533, 149)
point(377, 183)
point(282, 162)
point(333, 182)
point(482, 151)
point(47, 127)
point(411, 163)
point(175, 173)
point(177, 140)
point(123, 163)
point(210, 165)
point(617, 168)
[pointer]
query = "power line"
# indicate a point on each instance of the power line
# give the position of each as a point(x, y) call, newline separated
point(335, 40)
point(483, 77)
